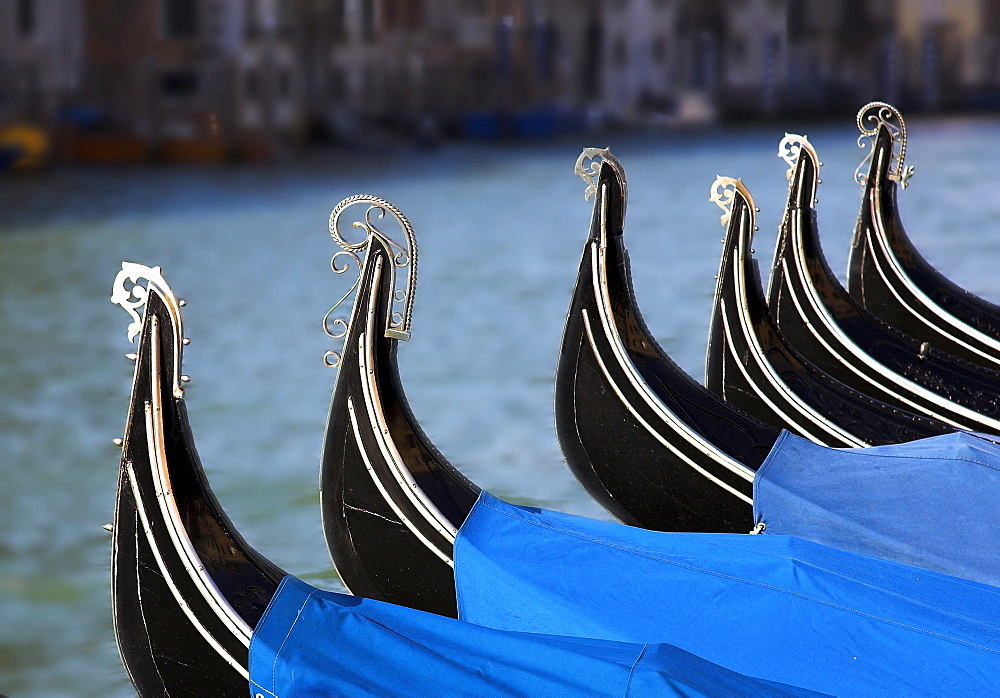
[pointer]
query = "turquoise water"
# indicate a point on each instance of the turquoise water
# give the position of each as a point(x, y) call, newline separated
point(500, 231)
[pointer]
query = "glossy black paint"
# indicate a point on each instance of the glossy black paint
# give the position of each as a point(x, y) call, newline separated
point(878, 240)
point(161, 648)
point(903, 363)
point(623, 464)
point(377, 555)
point(864, 418)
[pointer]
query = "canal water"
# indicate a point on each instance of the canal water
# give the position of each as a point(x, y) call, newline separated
point(500, 231)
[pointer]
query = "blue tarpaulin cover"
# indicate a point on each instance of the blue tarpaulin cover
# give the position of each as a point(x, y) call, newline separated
point(320, 643)
point(775, 607)
point(933, 503)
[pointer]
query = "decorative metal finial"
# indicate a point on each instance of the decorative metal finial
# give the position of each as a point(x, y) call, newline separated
point(120, 295)
point(404, 258)
point(790, 149)
point(590, 174)
point(723, 194)
point(132, 297)
point(871, 117)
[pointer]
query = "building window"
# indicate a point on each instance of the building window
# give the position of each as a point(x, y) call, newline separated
point(403, 14)
point(337, 85)
point(659, 49)
point(284, 83)
point(738, 49)
point(179, 83)
point(619, 53)
point(251, 85)
point(338, 26)
point(251, 20)
point(25, 18)
point(181, 19)
point(368, 20)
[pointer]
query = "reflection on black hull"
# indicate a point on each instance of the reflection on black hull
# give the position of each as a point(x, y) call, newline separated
point(889, 277)
point(653, 446)
point(750, 363)
point(187, 589)
point(391, 503)
point(821, 320)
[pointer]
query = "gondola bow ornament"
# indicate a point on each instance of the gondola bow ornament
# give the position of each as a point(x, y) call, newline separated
point(404, 263)
point(872, 116)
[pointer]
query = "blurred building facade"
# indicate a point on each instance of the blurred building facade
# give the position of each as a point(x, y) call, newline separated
point(201, 70)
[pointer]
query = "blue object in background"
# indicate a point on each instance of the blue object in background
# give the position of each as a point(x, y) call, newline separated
point(933, 503)
point(318, 643)
point(482, 126)
point(775, 607)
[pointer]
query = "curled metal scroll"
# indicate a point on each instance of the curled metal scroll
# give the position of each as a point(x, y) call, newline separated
point(132, 297)
point(871, 117)
point(790, 148)
point(591, 174)
point(404, 258)
point(723, 194)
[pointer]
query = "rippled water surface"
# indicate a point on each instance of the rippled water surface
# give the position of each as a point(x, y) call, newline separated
point(500, 231)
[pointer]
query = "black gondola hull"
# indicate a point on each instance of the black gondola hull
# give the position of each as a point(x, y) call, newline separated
point(652, 445)
point(752, 365)
point(820, 319)
point(892, 280)
point(186, 586)
point(390, 501)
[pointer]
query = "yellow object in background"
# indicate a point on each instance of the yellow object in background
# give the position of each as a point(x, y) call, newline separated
point(23, 147)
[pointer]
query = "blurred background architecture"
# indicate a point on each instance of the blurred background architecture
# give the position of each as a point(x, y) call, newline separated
point(130, 80)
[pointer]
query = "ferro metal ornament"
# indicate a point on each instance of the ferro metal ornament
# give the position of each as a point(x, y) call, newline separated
point(590, 174)
point(132, 297)
point(120, 295)
point(404, 258)
point(871, 117)
point(722, 194)
point(790, 148)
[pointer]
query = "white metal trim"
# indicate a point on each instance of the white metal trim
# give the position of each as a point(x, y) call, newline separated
point(656, 435)
point(602, 293)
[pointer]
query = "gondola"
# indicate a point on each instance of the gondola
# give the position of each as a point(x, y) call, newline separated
point(750, 364)
point(198, 612)
point(648, 442)
point(888, 276)
point(391, 503)
point(187, 589)
point(821, 320)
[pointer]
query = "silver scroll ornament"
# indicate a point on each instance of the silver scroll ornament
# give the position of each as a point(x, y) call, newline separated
point(790, 149)
point(133, 297)
point(723, 194)
point(592, 172)
point(128, 293)
point(403, 269)
point(871, 117)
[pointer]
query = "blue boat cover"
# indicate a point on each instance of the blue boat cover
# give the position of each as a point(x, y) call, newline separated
point(932, 503)
point(320, 643)
point(775, 607)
